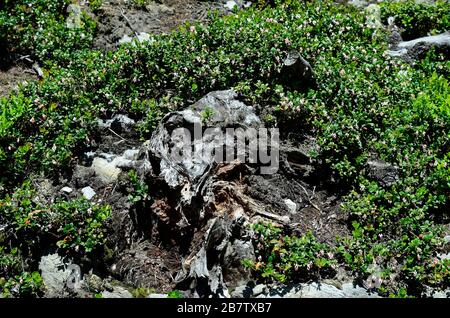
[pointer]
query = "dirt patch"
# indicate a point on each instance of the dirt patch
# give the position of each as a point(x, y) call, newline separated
point(147, 265)
point(11, 77)
point(310, 209)
point(116, 18)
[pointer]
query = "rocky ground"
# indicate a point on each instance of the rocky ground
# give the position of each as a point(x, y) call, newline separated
point(12, 76)
point(119, 20)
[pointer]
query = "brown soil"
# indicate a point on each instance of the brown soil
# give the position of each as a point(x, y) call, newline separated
point(318, 209)
point(11, 77)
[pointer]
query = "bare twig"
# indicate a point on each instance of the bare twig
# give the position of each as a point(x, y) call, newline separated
point(310, 198)
point(281, 219)
point(114, 189)
point(116, 134)
point(136, 34)
point(24, 57)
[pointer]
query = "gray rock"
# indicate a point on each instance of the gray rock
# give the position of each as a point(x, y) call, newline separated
point(94, 283)
point(351, 291)
point(385, 173)
point(434, 40)
point(259, 289)
point(88, 193)
point(118, 123)
point(131, 154)
point(243, 291)
point(230, 5)
point(141, 37)
point(55, 275)
point(105, 170)
point(315, 290)
point(117, 292)
point(410, 50)
point(291, 206)
point(319, 290)
point(66, 190)
point(157, 296)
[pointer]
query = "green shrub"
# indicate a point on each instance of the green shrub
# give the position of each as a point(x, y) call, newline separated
point(175, 294)
point(417, 18)
point(288, 258)
point(77, 226)
point(38, 28)
point(14, 281)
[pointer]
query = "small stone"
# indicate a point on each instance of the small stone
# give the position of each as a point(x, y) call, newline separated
point(118, 292)
point(259, 289)
point(107, 171)
point(55, 273)
point(88, 192)
point(243, 291)
point(291, 205)
point(351, 291)
point(117, 123)
point(124, 39)
point(122, 163)
point(131, 154)
point(67, 190)
point(95, 283)
point(230, 5)
point(157, 296)
point(441, 294)
point(108, 156)
point(383, 172)
point(90, 154)
point(144, 37)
